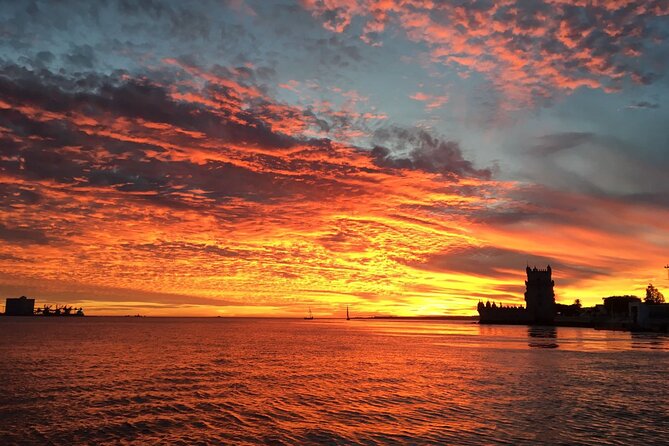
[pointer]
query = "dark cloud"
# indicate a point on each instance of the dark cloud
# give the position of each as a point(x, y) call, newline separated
point(496, 263)
point(80, 56)
point(60, 150)
point(97, 94)
point(23, 235)
point(14, 194)
point(43, 155)
point(417, 149)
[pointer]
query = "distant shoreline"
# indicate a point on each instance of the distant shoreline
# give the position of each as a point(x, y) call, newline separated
point(456, 318)
point(449, 318)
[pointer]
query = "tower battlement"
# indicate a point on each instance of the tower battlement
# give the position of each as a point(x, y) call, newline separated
point(538, 271)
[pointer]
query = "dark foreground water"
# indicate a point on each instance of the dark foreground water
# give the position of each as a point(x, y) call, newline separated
point(255, 381)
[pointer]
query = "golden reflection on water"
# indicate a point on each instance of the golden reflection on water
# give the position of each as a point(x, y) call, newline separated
point(459, 333)
point(281, 381)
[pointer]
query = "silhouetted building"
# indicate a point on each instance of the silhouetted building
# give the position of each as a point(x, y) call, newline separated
point(491, 313)
point(21, 306)
point(539, 295)
point(648, 317)
point(618, 306)
point(539, 300)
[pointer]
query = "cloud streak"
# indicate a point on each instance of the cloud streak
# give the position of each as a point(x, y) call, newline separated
point(151, 186)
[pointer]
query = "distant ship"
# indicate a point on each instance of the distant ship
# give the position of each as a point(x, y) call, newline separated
point(310, 317)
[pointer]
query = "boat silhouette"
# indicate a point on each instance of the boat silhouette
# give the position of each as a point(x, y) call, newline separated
point(310, 317)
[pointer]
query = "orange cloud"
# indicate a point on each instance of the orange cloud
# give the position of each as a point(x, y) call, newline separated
point(176, 201)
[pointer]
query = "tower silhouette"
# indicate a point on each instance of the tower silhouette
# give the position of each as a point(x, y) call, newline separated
point(539, 295)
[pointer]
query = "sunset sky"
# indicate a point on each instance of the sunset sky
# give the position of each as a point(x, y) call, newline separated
point(263, 157)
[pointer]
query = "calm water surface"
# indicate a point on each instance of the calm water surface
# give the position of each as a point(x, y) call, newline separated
point(271, 381)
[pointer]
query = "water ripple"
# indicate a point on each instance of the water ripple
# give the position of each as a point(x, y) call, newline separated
point(181, 381)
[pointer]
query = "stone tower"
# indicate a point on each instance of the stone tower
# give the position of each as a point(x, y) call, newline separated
point(539, 296)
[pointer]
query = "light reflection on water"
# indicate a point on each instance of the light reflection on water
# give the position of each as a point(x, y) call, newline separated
point(271, 381)
point(458, 333)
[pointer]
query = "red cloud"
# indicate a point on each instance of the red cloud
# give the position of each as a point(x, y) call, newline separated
point(529, 52)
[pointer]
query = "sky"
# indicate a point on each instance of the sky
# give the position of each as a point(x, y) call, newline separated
point(400, 157)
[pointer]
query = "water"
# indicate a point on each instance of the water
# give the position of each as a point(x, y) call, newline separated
point(263, 381)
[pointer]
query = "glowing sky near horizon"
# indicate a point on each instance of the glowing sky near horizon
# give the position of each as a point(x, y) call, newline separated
point(397, 156)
